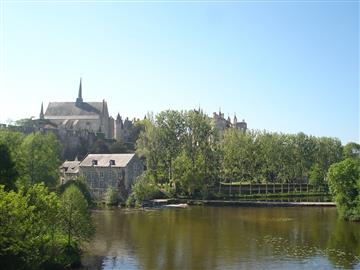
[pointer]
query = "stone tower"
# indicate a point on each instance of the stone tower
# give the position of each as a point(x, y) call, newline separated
point(119, 128)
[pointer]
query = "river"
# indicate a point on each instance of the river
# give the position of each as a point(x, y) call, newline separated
point(203, 237)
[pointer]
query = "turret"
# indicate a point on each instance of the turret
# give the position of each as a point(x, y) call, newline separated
point(235, 119)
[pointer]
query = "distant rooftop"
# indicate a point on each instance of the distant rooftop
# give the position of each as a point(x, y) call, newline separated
point(104, 160)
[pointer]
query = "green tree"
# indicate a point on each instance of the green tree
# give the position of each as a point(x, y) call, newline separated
point(80, 183)
point(197, 166)
point(148, 146)
point(8, 172)
point(75, 216)
point(39, 162)
point(351, 150)
point(143, 189)
point(15, 227)
point(317, 177)
point(111, 196)
point(344, 183)
point(100, 147)
point(27, 227)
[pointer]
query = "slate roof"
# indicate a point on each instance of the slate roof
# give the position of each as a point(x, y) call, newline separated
point(72, 109)
point(71, 166)
point(103, 160)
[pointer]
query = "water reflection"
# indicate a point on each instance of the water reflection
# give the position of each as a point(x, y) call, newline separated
point(223, 238)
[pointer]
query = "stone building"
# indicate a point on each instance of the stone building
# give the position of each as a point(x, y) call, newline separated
point(222, 124)
point(118, 171)
point(69, 170)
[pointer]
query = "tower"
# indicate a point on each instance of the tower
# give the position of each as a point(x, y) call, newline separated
point(119, 128)
point(235, 120)
point(79, 99)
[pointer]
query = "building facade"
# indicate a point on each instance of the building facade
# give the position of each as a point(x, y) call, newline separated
point(117, 171)
point(69, 170)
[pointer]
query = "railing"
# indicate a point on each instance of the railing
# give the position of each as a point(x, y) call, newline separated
point(269, 188)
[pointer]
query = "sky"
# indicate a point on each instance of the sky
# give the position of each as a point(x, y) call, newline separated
point(283, 66)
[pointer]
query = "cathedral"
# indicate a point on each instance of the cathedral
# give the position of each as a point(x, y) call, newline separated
point(90, 116)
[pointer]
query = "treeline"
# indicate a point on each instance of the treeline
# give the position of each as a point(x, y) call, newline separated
point(185, 154)
point(42, 225)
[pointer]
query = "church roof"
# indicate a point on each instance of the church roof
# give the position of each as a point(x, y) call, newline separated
point(72, 110)
point(103, 160)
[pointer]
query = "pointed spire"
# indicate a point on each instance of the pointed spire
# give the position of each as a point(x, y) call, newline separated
point(103, 107)
point(42, 111)
point(79, 98)
point(235, 119)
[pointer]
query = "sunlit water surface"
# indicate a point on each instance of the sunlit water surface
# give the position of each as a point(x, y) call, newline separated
point(223, 238)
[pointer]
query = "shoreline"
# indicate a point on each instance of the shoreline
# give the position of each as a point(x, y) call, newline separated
point(163, 202)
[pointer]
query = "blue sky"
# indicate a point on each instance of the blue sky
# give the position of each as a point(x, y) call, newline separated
point(285, 66)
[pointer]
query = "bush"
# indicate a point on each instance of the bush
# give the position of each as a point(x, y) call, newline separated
point(344, 184)
point(111, 196)
point(144, 189)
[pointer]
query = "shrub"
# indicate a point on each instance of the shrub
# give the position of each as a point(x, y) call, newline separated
point(143, 189)
point(344, 184)
point(111, 196)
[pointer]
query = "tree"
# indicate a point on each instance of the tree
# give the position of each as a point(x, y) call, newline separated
point(111, 196)
point(39, 160)
point(75, 216)
point(120, 147)
point(344, 184)
point(27, 227)
point(148, 146)
point(171, 125)
point(8, 172)
point(144, 189)
point(351, 150)
point(100, 147)
point(317, 177)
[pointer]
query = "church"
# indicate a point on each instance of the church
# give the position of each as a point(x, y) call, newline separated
point(81, 115)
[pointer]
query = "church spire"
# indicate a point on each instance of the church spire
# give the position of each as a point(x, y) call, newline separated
point(42, 111)
point(79, 98)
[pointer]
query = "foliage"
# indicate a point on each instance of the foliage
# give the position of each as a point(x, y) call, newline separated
point(144, 189)
point(184, 150)
point(30, 233)
point(76, 219)
point(344, 183)
point(100, 147)
point(111, 196)
point(121, 147)
point(79, 182)
point(39, 161)
point(8, 172)
point(317, 177)
point(351, 150)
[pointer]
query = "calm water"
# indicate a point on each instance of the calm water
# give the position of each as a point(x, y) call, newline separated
point(223, 238)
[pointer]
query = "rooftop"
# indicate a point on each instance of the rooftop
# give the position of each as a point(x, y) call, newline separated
point(103, 160)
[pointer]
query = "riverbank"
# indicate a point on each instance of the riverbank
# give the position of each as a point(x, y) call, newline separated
point(162, 202)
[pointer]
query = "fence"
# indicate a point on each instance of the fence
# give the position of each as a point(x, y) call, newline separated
point(252, 189)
